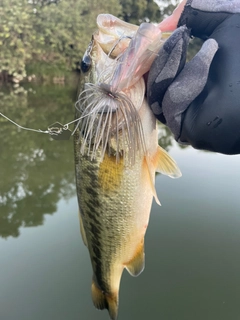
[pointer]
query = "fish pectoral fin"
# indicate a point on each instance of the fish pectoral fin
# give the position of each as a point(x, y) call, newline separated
point(102, 300)
point(165, 164)
point(136, 265)
point(82, 231)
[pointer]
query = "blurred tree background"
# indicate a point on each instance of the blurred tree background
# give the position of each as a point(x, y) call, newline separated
point(50, 36)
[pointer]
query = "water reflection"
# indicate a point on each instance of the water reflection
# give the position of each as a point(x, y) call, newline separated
point(36, 171)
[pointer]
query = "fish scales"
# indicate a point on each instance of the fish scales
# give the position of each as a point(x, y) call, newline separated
point(117, 154)
point(107, 218)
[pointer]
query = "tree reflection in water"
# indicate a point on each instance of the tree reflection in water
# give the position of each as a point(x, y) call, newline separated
point(36, 171)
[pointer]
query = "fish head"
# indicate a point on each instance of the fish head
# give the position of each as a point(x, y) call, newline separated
point(108, 42)
point(113, 88)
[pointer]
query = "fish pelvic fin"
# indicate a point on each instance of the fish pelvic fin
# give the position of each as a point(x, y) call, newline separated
point(161, 162)
point(102, 300)
point(165, 164)
point(136, 265)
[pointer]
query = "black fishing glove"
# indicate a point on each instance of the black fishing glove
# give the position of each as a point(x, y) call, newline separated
point(200, 100)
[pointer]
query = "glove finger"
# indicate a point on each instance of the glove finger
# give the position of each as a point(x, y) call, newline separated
point(169, 62)
point(187, 86)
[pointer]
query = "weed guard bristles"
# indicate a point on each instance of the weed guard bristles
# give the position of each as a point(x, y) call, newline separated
point(108, 121)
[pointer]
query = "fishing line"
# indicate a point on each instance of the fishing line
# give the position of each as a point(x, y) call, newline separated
point(57, 130)
point(24, 128)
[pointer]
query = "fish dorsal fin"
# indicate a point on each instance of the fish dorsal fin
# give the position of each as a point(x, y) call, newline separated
point(165, 164)
point(83, 234)
point(136, 265)
point(102, 300)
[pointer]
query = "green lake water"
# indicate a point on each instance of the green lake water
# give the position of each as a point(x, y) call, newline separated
point(192, 243)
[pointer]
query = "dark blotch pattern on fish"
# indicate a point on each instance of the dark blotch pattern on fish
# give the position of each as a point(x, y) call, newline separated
point(90, 209)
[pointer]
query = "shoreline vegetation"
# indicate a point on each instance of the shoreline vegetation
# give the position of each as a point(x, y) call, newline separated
point(44, 40)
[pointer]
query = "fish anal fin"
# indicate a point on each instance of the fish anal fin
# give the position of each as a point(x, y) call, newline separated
point(136, 265)
point(82, 231)
point(165, 164)
point(102, 300)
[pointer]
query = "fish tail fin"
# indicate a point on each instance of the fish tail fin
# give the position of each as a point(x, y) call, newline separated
point(102, 300)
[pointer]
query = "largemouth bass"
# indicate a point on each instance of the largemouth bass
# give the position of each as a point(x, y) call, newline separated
point(117, 153)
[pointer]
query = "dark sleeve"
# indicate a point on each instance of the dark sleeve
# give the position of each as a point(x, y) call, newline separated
point(203, 22)
point(212, 120)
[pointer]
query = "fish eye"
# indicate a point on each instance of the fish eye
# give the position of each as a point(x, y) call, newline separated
point(86, 63)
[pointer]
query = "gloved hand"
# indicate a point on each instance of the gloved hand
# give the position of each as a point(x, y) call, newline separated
point(200, 100)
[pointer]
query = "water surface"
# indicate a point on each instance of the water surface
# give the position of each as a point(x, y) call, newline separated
point(192, 243)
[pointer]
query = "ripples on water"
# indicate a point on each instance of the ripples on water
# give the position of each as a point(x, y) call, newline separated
point(192, 243)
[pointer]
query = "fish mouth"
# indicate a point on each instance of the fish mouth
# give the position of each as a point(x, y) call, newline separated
point(110, 102)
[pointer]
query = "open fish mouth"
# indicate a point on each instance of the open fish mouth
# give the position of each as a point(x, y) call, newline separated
point(110, 103)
